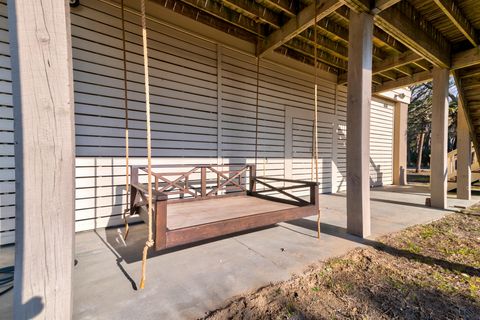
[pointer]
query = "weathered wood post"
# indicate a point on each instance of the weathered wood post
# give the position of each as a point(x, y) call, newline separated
point(203, 181)
point(438, 158)
point(464, 156)
point(40, 47)
point(358, 123)
point(400, 144)
point(160, 204)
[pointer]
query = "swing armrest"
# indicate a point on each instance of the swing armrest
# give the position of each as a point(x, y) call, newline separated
point(157, 196)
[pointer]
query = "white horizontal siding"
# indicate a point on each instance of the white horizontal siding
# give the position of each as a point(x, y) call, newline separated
point(7, 160)
point(185, 82)
point(183, 94)
point(381, 143)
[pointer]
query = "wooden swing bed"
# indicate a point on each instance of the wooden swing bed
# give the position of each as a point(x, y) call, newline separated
point(183, 204)
point(226, 203)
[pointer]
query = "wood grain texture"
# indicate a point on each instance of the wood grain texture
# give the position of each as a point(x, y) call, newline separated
point(438, 179)
point(299, 23)
point(44, 157)
point(358, 123)
point(464, 157)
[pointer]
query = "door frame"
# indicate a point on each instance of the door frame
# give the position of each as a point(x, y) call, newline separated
point(290, 114)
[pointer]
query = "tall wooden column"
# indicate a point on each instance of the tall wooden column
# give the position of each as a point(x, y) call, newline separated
point(438, 158)
point(464, 156)
point(400, 144)
point(358, 123)
point(44, 157)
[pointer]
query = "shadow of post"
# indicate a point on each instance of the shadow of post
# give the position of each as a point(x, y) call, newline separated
point(342, 233)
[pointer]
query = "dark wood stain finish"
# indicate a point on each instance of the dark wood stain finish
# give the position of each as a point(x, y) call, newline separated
point(186, 220)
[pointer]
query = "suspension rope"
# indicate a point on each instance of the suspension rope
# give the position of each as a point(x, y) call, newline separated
point(315, 117)
point(256, 114)
point(149, 243)
point(125, 102)
point(256, 98)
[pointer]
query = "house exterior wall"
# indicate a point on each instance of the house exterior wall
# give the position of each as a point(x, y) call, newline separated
point(203, 111)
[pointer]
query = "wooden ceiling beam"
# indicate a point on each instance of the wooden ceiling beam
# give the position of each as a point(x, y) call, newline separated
point(423, 64)
point(221, 12)
point(393, 62)
point(389, 74)
point(330, 52)
point(406, 70)
point(302, 57)
point(207, 18)
point(416, 33)
point(396, 61)
point(454, 13)
point(323, 56)
point(340, 34)
point(378, 34)
point(420, 77)
point(359, 5)
point(336, 31)
point(296, 25)
point(470, 83)
point(469, 73)
point(283, 5)
point(254, 11)
point(466, 58)
point(333, 47)
point(381, 5)
point(464, 104)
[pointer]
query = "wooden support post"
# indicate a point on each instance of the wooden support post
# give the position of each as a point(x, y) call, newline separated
point(358, 123)
point(334, 166)
point(438, 158)
point(160, 224)
point(464, 156)
point(400, 144)
point(253, 175)
point(40, 47)
point(133, 191)
point(203, 181)
point(315, 196)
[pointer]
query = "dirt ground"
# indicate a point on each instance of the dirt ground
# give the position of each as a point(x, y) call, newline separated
point(425, 272)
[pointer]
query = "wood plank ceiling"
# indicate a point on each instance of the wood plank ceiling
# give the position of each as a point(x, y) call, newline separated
point(257, 20)
point(410, 36)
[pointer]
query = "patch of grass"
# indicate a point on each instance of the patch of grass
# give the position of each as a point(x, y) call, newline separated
point(441, 281)
point(428, 232)
point(413, 247)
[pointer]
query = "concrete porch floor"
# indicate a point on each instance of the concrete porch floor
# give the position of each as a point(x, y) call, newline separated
point(184, 284)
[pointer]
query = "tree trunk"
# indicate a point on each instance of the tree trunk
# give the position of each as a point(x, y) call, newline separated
point(420, 151)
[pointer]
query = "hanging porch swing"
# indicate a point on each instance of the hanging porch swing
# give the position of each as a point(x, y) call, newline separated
point(183, 204)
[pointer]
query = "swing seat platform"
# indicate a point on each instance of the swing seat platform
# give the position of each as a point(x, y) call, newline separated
point(194, 203)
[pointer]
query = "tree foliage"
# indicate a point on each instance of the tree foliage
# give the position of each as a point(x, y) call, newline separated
point(420, 123)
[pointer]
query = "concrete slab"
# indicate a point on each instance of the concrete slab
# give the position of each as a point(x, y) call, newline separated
point(184, 284)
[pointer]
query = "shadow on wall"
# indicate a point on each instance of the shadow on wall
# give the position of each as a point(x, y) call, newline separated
point(377, 180)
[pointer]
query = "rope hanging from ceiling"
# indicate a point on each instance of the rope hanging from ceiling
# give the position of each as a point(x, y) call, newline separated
point(315, 110)
point(125, 103)
point(149, 243)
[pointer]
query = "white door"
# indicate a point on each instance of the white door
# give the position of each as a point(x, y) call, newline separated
point(381, 143)
point(299, 146)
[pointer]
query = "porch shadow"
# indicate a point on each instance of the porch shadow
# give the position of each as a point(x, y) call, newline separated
point(396, 202)
point(132, 251)
point(341, 232)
